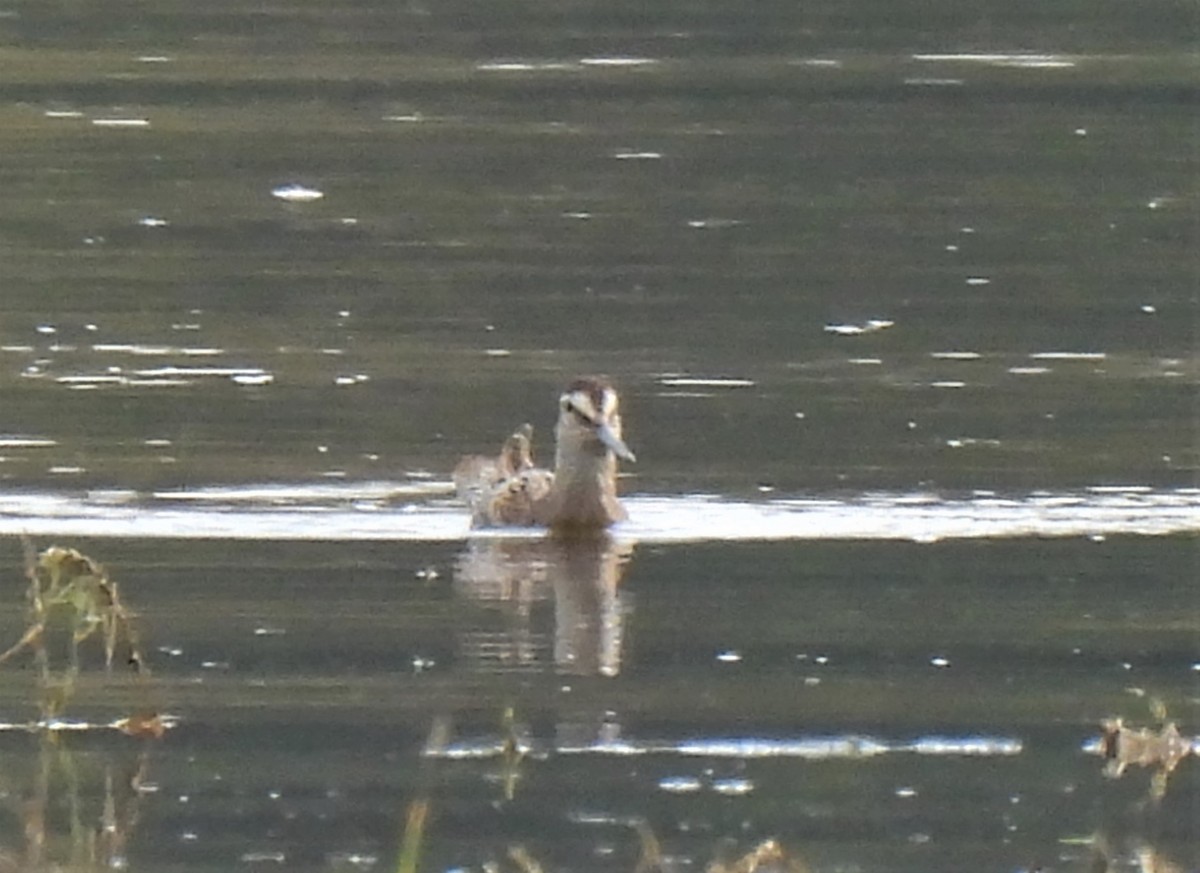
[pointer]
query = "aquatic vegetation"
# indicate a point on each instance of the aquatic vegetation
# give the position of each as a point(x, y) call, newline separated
point(524, 861)
point(417, 815)
point(514, 747)
point(1107, 852)
point(413, 834)
point(68, 586)
point(768, 854)
point(72, 599)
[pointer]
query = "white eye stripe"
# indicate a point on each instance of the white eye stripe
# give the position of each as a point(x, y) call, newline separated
point(581, 404)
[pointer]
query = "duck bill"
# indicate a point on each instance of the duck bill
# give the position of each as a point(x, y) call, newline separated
point(614, 443)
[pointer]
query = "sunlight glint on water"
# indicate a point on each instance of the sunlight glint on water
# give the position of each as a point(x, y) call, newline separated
point(420, 512)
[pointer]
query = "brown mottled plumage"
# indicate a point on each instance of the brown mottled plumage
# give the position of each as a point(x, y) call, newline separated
point(476, 474)
point(581, 494)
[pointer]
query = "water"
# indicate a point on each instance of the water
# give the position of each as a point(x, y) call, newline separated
point(901, 302)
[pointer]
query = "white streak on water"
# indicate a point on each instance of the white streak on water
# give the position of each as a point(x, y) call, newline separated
point(420, 511)
point(617, 62)
point(1002, 59)
point(20, 442)
point(1068, 356)
point(833, 747)
point(704, 382)
point(121, 122)
point(520, 67)
point(297, 193)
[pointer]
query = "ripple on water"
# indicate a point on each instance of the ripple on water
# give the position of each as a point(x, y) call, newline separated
point(418, 510)
point(1001, 59)
point(704, 382)
point(637, 155)
point(25, 442)
point(814, 747)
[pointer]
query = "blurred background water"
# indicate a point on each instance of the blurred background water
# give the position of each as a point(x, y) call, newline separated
point(901, 300)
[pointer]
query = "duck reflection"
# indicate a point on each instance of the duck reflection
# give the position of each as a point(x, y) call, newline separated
point(578, 577)
point(1108, 853)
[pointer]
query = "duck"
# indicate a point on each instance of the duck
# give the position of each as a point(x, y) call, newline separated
point(580, 494)
point(475, 474)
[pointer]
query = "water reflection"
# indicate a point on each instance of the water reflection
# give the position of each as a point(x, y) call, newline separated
point(70, 809)
point(71, 600)
point(579, 577)
point(1105, 853)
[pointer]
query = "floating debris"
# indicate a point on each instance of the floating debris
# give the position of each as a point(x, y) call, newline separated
point(1123, 747)
point(147, 724)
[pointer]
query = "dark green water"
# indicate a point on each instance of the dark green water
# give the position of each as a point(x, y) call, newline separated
point(926, 263)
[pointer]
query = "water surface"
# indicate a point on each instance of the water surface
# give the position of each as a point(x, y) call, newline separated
point(901, 302)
